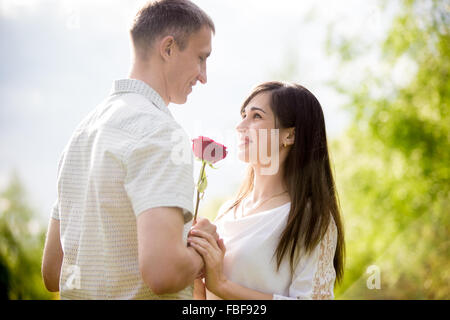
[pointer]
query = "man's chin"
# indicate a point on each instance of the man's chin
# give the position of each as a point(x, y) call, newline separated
point(181, 100)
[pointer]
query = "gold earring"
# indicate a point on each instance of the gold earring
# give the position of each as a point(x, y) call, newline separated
point(284, 144)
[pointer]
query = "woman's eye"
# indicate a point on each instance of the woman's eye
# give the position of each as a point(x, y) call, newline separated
point(256, 115)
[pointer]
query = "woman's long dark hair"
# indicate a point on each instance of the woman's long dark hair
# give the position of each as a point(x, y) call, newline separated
point(307, 174)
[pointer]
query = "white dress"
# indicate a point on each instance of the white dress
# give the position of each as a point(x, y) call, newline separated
point(249, 260)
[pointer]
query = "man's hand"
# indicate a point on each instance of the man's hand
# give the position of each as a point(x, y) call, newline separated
point(205, 225)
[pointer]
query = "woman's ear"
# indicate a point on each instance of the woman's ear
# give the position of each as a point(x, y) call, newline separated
point(166, 46)
point(290, 139)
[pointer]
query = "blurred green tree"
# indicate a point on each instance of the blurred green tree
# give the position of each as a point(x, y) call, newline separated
point(21, 244)
point(392, 164)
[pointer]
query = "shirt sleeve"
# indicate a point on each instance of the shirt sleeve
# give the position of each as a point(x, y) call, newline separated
point(315, 275)
point(155, 176)
point(55, 211)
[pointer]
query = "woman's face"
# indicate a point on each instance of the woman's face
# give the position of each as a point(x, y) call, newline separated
point(258, 140)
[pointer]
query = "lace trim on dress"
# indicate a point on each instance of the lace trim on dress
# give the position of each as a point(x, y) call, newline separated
point(325, 275)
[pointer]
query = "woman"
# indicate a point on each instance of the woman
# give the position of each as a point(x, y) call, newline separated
point(283, 233)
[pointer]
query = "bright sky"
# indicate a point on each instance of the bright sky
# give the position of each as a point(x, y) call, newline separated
point(59, 59)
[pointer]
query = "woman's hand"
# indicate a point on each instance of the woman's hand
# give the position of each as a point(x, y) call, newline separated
point(212, 252)
point(205, 225)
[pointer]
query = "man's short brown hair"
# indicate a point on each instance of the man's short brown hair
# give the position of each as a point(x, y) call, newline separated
point(179, 18)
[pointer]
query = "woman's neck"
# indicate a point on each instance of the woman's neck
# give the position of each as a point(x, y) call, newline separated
point(266, 186)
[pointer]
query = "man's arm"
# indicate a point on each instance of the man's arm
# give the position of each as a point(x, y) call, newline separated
point(166, 263)
point(53, 256)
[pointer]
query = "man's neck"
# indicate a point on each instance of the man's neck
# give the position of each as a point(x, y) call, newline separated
point(155, 78)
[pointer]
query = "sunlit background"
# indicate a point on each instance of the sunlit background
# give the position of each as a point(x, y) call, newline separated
point(380, 70)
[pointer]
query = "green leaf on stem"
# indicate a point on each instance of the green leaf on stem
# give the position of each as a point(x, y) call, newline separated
point(203, 183)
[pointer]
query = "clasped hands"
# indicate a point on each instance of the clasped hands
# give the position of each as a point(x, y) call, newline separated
point(204, 239)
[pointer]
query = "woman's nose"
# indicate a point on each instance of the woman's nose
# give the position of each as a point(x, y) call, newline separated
point(241, 126)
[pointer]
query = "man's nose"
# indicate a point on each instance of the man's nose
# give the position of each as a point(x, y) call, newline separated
point(202, 77)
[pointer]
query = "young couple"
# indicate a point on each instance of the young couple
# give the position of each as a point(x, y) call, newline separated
point(119, 227)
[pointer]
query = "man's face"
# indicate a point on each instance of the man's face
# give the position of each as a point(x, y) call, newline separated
point(188, 66)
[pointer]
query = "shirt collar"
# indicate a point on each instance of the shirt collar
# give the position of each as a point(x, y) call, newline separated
point(123, 86)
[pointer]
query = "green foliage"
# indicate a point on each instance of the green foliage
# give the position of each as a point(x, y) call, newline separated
point(392, 165)
point(392, 171)
point(21, 245)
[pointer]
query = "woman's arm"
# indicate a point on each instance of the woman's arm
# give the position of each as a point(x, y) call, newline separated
point(314, 277)
point(229, 290)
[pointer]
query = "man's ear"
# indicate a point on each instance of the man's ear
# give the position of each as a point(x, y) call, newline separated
point(166, 47)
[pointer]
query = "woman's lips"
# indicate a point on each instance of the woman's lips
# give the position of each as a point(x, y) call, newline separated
point(244, 141)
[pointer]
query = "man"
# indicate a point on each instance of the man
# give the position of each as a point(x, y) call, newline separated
point(116, 230)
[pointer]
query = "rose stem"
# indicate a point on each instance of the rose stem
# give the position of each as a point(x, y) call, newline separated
point(198, 193)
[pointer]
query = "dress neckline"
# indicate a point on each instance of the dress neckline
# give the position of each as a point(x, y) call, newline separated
point(235, 218)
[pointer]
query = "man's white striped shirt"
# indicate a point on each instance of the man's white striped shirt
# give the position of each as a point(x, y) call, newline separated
point(117, 164)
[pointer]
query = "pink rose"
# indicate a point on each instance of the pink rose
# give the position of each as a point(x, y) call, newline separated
point(207, 149)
